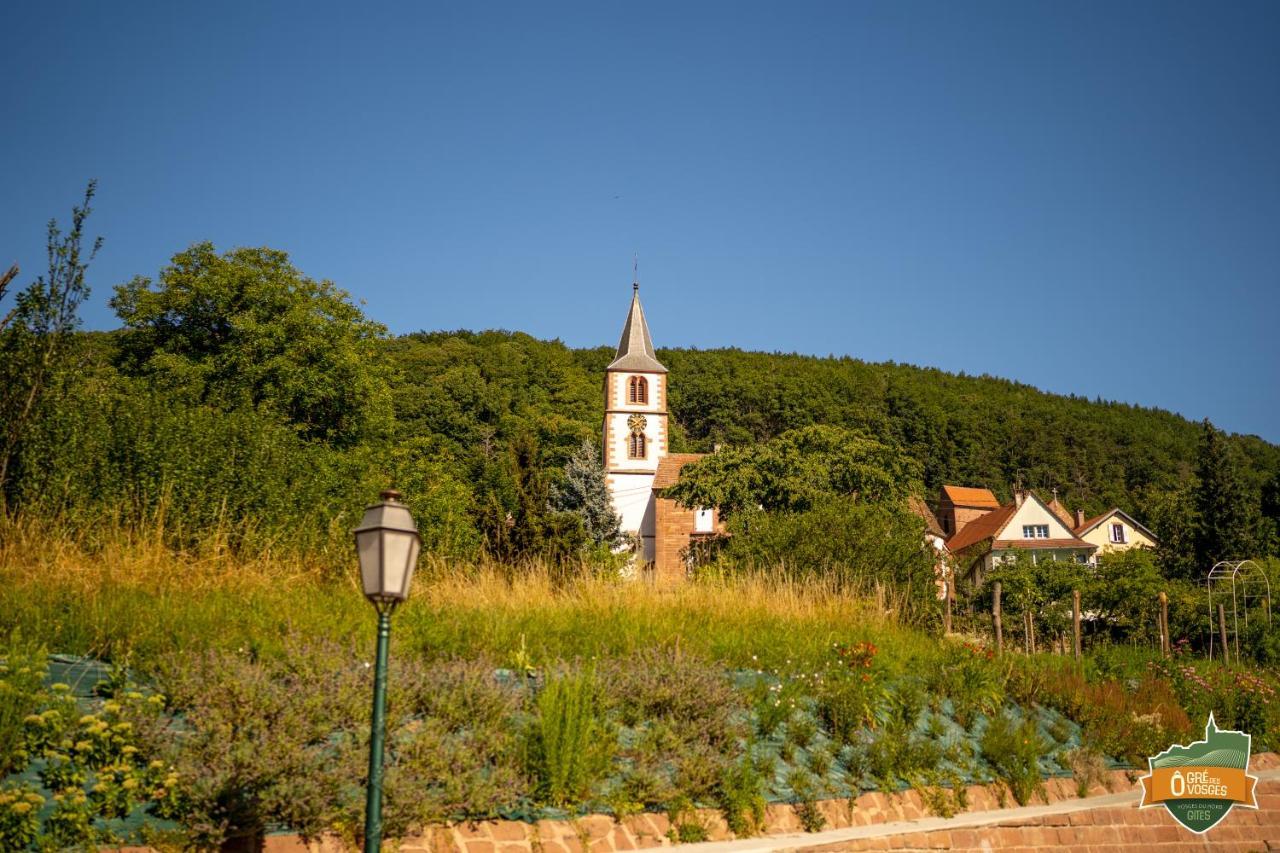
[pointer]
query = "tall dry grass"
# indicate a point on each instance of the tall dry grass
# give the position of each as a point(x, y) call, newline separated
point(125, 594)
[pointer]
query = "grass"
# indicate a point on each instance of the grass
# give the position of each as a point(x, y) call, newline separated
point(130, 597)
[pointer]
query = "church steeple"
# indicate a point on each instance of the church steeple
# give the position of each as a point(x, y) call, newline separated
point(635, 347)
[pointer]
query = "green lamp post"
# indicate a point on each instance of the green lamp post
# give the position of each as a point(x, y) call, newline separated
point(387, 543)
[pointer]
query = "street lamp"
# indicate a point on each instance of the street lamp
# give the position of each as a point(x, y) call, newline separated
point(387, 543)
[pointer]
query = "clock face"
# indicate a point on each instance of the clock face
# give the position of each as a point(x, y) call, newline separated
point(637, 423)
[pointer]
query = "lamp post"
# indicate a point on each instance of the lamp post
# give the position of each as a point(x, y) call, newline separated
point(387, 543)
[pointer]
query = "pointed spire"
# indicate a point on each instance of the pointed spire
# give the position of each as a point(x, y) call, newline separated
point(635, 348)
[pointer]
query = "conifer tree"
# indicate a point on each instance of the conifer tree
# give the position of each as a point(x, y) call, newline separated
point(1226, 515)
point(585, 493)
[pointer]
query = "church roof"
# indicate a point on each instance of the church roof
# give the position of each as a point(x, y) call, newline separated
point(635, 348)
point(669, 468)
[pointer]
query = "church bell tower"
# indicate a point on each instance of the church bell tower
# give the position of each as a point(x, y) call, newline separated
point(635, 425)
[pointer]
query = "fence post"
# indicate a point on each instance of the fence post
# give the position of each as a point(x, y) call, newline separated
point(1164, 624)
point(1075, 619)
point(995, 617)
point(946, 613)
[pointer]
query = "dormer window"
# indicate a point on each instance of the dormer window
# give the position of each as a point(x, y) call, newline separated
point(639, 390)
point(636, 446)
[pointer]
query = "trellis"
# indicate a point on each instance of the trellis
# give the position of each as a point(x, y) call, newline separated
point(1245, 577)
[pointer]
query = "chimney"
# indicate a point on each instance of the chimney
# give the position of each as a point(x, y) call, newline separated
point(1079, 519)
point(1018, 497)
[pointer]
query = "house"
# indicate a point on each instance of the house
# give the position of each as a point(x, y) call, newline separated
point(637, 459)
point(1114, 530)
point(959, 505)
point(937, 540)
point(1027, 524)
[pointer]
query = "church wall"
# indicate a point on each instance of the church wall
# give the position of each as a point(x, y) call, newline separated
point(633, 501)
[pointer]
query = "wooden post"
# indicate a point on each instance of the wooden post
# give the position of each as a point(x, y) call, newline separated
point(1031, 631)
point(1165, 648)
point(1222, 634)
point(995, 617)
point(1075, 620)
point(946, 612)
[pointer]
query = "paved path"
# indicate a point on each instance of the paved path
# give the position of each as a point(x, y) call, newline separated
point(968, 820)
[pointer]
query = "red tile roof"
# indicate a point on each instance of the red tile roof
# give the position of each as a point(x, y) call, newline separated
point(669, 468)
point(1037, 544)
point(984, 527)
point(1089, 525)
point(1064, 515)
point(965, 496)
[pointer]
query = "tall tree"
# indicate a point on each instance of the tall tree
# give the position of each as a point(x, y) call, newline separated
point(246, 329)
point(38, 330)
point(1225, 512)
point(585, 492)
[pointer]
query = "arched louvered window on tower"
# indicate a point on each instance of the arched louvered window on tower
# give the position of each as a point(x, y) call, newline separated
point(636, 446)
point(639, 390)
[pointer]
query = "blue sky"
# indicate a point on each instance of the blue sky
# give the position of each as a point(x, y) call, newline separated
point(1082, 196)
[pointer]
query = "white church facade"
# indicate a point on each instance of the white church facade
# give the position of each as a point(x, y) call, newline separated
point(638, 463)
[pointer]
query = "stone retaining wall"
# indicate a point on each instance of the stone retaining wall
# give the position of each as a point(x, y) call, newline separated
point(604, 834)
point(1096, 830)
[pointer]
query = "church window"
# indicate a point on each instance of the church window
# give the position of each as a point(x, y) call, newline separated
point(636, 446)
point(639, 390)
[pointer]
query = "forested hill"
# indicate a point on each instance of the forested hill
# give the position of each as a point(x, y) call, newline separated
point(473, 389)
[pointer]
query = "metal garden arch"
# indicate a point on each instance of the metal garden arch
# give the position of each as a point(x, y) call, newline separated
point(1245, 577)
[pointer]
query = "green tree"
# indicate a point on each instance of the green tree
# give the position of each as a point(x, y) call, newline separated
point(1223, 504)
point(36, 333)
point(1171, 515)
point(246, 329)
point(798, 469)
point(585, 492)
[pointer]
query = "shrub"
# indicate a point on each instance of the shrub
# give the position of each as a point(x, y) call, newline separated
point(22, 668)
point(459, 755)
point(1013, 749)
point(741, 797)
point(968, 675)
point(568, 744)
point(850, 690)
point(807, 789)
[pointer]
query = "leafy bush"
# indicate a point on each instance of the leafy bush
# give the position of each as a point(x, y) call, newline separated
point(22, 669)
point(568, 744)
point(968, 676)
point(1014, 749)
point(741, 797)
point(850, 691)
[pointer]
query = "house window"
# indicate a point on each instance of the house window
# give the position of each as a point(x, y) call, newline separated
point(1117, 533)
point(639, 390)
point(635, 446)
point(1082, 559)
point(704, 521)
point(1035, 531)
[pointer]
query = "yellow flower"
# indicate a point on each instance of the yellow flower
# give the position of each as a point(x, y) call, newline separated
point(20, 808)
point(129, 784)
point(87, 719)
point(83, 746)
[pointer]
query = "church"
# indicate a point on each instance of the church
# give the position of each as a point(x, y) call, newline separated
point(638, 463)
